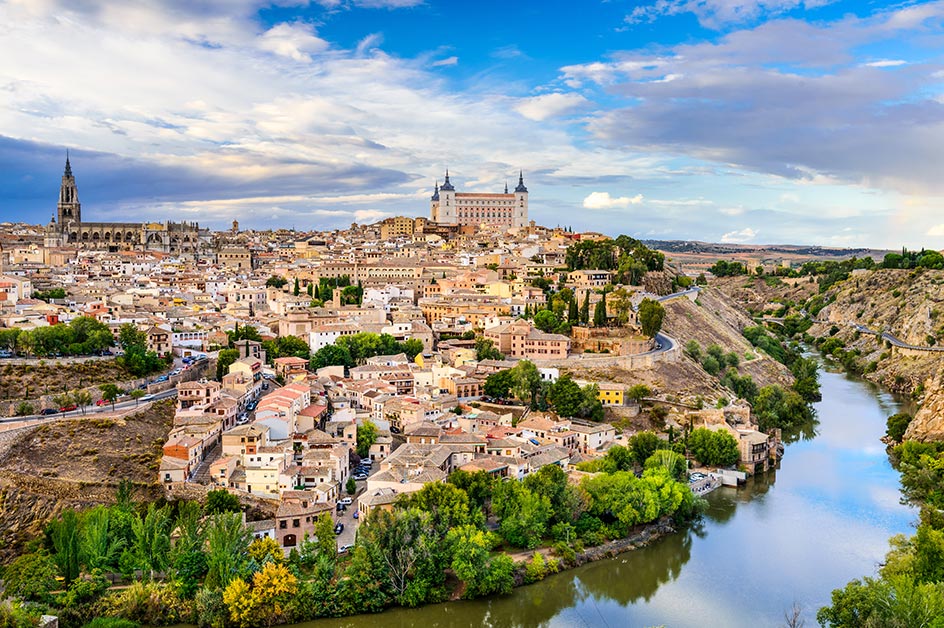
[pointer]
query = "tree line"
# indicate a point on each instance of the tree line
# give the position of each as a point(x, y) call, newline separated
point(213, 573)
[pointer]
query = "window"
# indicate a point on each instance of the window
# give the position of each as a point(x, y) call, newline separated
point(296, 523)
point(283, 524)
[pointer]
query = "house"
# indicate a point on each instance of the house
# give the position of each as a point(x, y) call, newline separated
point(296, 516)
point(197, 393)
point(158, 340)
point(286, 366)
point(592, 436)
point(245, 439)
point(519, 339)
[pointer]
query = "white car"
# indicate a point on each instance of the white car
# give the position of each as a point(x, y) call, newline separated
point(347, 501)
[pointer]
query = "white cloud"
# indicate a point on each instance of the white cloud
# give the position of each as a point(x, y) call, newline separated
point(737, 237)
point(444, 62)
point(885, 63)
point(936, 231)
point(603, 200)
point(296, 41)
point(546, 106)
point(732, 211)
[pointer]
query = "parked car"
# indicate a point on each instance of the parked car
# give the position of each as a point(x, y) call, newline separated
point(360, 476)
point(347, 501)
point(339, 528)
point(147, 397)
point(101, 402)
point(366, 462)
point(355, 514)
point(265, 387)
point(47, 411)
point(68, 408)
point(343, 549)
point(394, 429)
point(341, 507)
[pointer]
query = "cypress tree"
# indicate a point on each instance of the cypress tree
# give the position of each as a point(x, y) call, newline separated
point(585, 308)
point(572, 313)
point(599, 312)
point(295, 290)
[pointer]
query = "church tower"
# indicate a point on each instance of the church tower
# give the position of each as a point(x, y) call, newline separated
point(69, 208)
point(520, 217)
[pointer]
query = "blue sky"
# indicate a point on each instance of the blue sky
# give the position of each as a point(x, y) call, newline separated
point(763, 121)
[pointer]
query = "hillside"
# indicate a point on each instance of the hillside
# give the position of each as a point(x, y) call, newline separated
point(714, 319)
point(76, 463)
point(908, 304)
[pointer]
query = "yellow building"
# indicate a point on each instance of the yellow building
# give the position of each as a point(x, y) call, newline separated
point(611, 394)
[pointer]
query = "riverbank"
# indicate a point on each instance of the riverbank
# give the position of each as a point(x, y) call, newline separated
point(788, 536)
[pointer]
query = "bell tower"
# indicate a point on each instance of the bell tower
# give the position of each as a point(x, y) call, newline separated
point(69, 208)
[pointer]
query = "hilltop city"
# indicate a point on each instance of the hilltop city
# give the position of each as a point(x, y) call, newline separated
point(576, 393)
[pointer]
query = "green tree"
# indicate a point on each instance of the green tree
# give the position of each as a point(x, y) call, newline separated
point(64, 534)
point(151, 539)
point(82, 398)
point(24, 408)
point(412, 347)
point(599, 312)
point(366, 436)
point(110, 393)
point(651, 314)
point(331, 355)
point(351, 485)
point(276, 281)
point(573, 314)
point(585, 308)
point(473, 564)
point(295, 290)
point(324, 533)
point(897, 424)
point(227, 549)
point(221, 501)
point(136, 394)
point(498, 384)
point(525, 380)
point(713, 447)
point(447, 505)
point(638, 392)
point(485, 350)
point(523, 516)
point(30, 577)
point(547, 321)
point(97, 544)
point(224, 359)
point(643, 445)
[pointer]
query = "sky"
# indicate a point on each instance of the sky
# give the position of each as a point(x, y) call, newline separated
point(741, 121)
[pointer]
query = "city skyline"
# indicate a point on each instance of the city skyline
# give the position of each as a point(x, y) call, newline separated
point(721, 120)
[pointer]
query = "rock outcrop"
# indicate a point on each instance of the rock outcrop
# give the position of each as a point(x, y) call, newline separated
point(928, 423)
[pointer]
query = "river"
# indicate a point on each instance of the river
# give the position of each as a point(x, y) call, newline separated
point(791, 536)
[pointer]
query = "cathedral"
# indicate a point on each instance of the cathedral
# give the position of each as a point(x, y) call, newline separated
point(67, 229)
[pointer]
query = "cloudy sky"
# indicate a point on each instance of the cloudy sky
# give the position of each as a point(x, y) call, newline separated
point(769, 121)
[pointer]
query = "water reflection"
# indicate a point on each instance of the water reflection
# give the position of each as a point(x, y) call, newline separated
point(821, 519)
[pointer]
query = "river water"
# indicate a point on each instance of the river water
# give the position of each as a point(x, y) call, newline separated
point(788, 537)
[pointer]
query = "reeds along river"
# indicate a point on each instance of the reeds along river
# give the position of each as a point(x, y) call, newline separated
point(791, 536)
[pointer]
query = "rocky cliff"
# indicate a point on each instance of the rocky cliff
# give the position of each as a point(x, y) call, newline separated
point(928, 423)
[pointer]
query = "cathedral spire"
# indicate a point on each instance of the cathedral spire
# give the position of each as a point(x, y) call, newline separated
point(506, 187)
point(436, 191)
point(68, 172)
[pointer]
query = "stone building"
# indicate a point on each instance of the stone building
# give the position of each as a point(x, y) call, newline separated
point(67, 228)
point(466, 208)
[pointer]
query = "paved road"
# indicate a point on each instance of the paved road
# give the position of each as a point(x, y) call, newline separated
point(895, 341)
point(91, 410)
point(683, 293)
